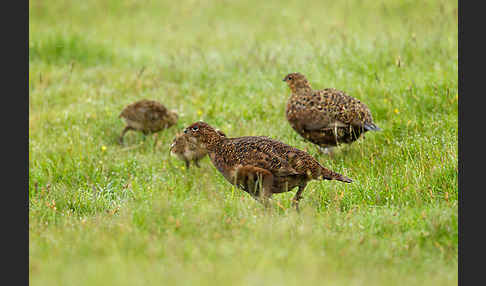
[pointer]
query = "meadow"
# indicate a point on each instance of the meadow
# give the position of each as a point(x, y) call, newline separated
point(105, 214)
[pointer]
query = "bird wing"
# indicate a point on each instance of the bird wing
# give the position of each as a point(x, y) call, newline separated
point(322, 123)
point(260, 152)
point(340, 110)
point(314, 111)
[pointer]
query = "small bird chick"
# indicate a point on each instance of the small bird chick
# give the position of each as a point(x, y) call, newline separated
point(187, 149)
point(147, 116)
point(326, 117)
point(260, 165)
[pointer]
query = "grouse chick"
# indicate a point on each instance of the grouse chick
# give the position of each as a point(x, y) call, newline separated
point(187, 149)
point(326, 117)
point(147, 116)
point(259, 165)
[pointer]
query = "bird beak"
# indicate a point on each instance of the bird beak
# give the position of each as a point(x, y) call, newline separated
point(284, 79)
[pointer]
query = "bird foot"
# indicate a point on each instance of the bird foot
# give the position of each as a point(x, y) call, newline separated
point(295, 204)
point(326, 150)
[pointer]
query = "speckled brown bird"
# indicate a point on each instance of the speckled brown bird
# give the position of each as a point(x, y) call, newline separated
point(326, 117)
point(187, 149)
point(260, 165)
point(147, 116)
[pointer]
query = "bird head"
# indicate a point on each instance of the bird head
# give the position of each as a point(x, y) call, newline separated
point(172, 117)
point(203, 133)
point(297, 82)
point(176, 143)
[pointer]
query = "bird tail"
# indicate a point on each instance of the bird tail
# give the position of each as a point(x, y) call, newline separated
point(327, 174)
point(371, 127)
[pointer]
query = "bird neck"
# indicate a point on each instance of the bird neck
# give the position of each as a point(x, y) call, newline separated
point(301, 87)
point(213, 142)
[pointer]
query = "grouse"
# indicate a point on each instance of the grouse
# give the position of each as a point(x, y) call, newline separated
point(326, 117)
point(260, 165)
point(147, 116)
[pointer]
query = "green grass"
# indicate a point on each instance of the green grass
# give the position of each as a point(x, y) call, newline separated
point(105, 214)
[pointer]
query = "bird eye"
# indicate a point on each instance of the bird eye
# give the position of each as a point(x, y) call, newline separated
point(290, 77)
point(185, 131)
point(195, 128)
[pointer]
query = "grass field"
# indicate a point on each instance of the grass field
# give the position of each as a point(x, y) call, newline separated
point(105, 214)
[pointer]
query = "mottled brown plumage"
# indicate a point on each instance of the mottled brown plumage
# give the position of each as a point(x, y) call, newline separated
point(147, 116)
point(326, 117)
point(259, 165)
point(187, 149)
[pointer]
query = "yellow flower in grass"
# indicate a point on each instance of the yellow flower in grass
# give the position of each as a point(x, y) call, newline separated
point(396, 111)
point(103, 148)
point(199, 112)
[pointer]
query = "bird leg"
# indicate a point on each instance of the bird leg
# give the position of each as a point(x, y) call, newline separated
point(327, 150)
point(335, 134)
point(265, 181)
point(256, 181)
point(155, 140)
point(298, 196)
point(196, 162)
point(145, 134)
point(188, 164)
point(127, 128)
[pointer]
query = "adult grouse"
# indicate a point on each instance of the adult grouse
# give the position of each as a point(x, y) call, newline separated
point(326, 117)
point(259, 165)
